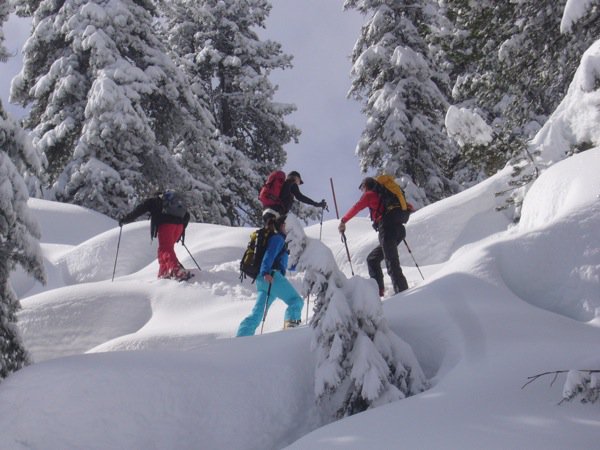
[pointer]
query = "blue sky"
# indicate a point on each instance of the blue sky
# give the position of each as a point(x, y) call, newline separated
point(320, 36)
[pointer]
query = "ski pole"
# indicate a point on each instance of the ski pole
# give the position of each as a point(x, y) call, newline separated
point(117, 255)
point(184, 246)
point(337, 214)
point(411, 254)
point(321, 228)
point(266, 308)
point(307, 306)
point(344, 240)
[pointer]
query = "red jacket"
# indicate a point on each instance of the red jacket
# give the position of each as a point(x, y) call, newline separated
point(369, 199)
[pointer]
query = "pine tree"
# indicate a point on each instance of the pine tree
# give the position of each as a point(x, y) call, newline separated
point(19, 232)
point(404, 96)
point(582, 384)
point(361, 363)
point(512, 66)
point(223, 54)
point(109, 110)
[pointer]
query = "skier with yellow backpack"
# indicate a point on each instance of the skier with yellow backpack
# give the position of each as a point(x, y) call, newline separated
point(265, 261)
point(389, 211)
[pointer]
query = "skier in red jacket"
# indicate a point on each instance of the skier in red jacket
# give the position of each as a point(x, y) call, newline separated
point(391, 232)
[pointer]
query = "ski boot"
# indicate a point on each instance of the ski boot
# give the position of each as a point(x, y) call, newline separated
point(290, 324)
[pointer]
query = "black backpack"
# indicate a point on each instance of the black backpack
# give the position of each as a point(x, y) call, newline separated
point(253, 256)
point(173, 204)
point(255, 252)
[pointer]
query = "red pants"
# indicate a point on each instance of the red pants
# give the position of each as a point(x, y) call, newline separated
point(168, 234)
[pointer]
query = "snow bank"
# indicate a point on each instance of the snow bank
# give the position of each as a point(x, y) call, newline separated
point(57, 222)
point(565, 187)
point(484, 320)
point(557, 241)
point(242, 394)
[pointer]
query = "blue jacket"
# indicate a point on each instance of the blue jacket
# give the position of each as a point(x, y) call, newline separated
point(276, 257)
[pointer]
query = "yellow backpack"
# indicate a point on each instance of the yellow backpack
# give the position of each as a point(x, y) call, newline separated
point(392, 196)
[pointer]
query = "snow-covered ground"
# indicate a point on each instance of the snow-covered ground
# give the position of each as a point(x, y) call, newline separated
point(144, 363)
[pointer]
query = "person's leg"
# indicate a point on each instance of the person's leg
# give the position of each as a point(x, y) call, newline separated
point(389, 238)
point(284, 290)
point(374, 265)
point(168, 233)
point(250, 323)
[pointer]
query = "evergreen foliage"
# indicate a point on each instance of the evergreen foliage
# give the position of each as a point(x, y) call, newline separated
point(404, 96)
point(511, 65)
point(582, 384)
point(19, 232)
point(109, 110)
point(361, 363)
point(223, 56)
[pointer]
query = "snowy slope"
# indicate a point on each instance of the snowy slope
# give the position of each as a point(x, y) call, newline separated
point(499, 303)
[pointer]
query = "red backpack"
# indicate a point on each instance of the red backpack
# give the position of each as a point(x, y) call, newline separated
point(269, 193)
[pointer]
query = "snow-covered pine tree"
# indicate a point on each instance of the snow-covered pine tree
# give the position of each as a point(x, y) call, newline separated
point(469, 45)
point(582, 384)
point(222, 52)
point(19, 232)
point(567, 131)
point(234, 169)
point(404, 96)
point(109, 110)
point(361, 363)
point(512, 66)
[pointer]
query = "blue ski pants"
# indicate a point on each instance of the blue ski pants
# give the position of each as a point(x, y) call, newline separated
point(280, 288)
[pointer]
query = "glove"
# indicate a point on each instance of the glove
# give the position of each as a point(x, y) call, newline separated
point(121, 222)
point(322, 204)
point(342, 227)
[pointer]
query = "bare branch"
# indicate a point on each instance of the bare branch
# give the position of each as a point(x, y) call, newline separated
point(555, 373)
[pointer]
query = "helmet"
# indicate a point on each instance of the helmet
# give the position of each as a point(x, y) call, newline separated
point(270, 215)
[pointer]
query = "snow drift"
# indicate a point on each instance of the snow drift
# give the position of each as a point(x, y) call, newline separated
point(147, 363)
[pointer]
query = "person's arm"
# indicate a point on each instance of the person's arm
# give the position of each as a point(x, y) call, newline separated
point(274, 247)
point(142, 208)
point(362, 203)
point(301, 197)
point(186, 221)
point(283, 261)
point(366, 200)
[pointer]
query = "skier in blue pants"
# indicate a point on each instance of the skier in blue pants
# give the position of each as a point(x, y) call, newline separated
point(272, 272)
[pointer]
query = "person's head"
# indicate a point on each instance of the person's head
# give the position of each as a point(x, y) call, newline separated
point(295, 176)
point(368, 184)
point(269, 217)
